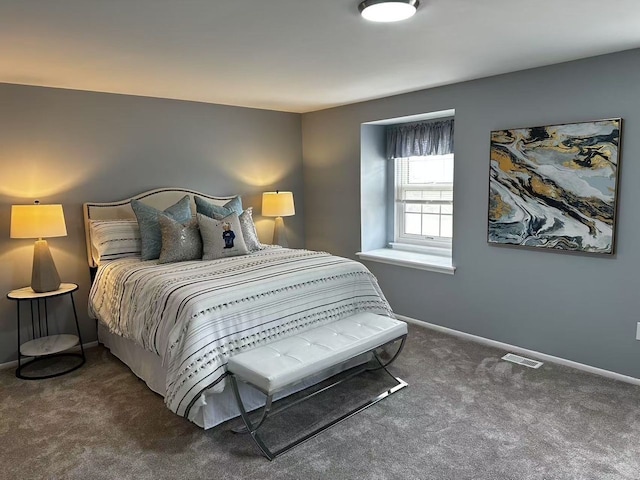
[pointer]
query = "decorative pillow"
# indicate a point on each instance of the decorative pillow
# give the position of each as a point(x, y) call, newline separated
point(150, 226)
point(211, 210)
point(113, 239)
point(221, 238)
point(179, 242)
point(248, 229)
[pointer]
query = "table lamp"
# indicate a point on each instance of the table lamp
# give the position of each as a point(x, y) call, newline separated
point(40, 221)
point(278, 204)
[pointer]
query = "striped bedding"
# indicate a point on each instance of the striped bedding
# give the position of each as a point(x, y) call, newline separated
point(113, 239)
point(196, 314)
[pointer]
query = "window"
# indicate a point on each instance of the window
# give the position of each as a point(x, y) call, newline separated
point(424, 200)
point(406, 191)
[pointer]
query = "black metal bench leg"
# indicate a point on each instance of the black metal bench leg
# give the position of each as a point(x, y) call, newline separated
point(251, 428)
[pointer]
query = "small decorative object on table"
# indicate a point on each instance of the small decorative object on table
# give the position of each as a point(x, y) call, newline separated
point(42, 345)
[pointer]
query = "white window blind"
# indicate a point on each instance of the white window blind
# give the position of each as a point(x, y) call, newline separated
point(424, 199)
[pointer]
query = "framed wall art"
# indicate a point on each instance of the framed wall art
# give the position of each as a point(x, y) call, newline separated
point(555, 187)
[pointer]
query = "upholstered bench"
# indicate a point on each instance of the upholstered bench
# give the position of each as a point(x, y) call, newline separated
point(286, 362)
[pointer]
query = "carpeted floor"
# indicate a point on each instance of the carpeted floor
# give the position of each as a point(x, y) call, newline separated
point(465, 415)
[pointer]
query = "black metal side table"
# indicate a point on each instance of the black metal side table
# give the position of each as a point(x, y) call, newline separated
point(43, 346)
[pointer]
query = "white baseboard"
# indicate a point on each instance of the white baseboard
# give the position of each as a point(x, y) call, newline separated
point(523, 351)
point(14, 363)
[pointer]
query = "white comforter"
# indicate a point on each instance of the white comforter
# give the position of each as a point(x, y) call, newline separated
point(196, 314)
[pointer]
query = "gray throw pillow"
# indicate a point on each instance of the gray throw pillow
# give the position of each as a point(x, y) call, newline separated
point(211, 210)
point(248, 229)
point(180, 243)
point(221, 238)
point(150, 234)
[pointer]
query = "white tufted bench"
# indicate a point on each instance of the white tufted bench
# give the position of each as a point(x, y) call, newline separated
point(288, 361)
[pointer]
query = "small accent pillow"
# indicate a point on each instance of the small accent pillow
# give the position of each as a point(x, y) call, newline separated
point(113, 239)
point(211, 210)
point(248, 229)
point(180, 243)
point(150, 233)
point(221, 238)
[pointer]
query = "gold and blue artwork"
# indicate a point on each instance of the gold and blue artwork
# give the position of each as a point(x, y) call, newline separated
point(555, 187)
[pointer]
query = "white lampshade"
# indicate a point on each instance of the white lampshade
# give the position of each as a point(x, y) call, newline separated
point(40, 221)
point(388, 10)
point(278, 204)
point(37, 221)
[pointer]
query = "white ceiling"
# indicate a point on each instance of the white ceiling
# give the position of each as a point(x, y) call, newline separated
point(295, 55)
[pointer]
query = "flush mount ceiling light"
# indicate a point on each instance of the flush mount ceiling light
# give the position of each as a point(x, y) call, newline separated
point(388, 10)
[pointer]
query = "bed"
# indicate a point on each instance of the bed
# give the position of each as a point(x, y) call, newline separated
point(175, 325)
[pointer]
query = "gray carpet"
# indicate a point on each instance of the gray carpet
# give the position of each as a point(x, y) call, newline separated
point(465, 415)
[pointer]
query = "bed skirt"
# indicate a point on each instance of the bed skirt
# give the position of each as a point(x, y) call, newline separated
point(213, 408)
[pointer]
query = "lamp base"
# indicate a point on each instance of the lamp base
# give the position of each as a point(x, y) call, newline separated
point(280, 234)
point(44, 276)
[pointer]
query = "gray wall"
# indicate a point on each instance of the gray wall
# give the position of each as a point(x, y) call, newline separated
point(69, 147)
point(583, 308)
point(374, 188)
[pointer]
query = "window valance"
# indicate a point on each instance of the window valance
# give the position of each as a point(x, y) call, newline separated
point(420, 139)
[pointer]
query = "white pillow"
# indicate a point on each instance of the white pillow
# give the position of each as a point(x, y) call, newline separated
point(221, 238)
point(113, 239)
point(247, 227)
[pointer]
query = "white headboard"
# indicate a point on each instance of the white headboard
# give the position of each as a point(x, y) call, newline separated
point(160, 198)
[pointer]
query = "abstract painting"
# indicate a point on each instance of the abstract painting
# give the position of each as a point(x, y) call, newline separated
point(555, 187)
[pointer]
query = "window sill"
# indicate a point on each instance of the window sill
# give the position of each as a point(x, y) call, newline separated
point(421, 261)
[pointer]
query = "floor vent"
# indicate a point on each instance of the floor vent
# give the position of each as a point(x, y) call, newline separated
point(527, 362)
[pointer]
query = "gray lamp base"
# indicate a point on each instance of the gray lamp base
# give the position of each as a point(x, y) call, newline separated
point(44, 276)
point(280, 234)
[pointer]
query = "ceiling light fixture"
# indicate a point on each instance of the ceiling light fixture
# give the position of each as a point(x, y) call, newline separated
point(388, 10)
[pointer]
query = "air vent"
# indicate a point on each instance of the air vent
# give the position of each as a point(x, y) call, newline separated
point(527, 362)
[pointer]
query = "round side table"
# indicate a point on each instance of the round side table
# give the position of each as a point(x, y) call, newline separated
point(43, 346)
